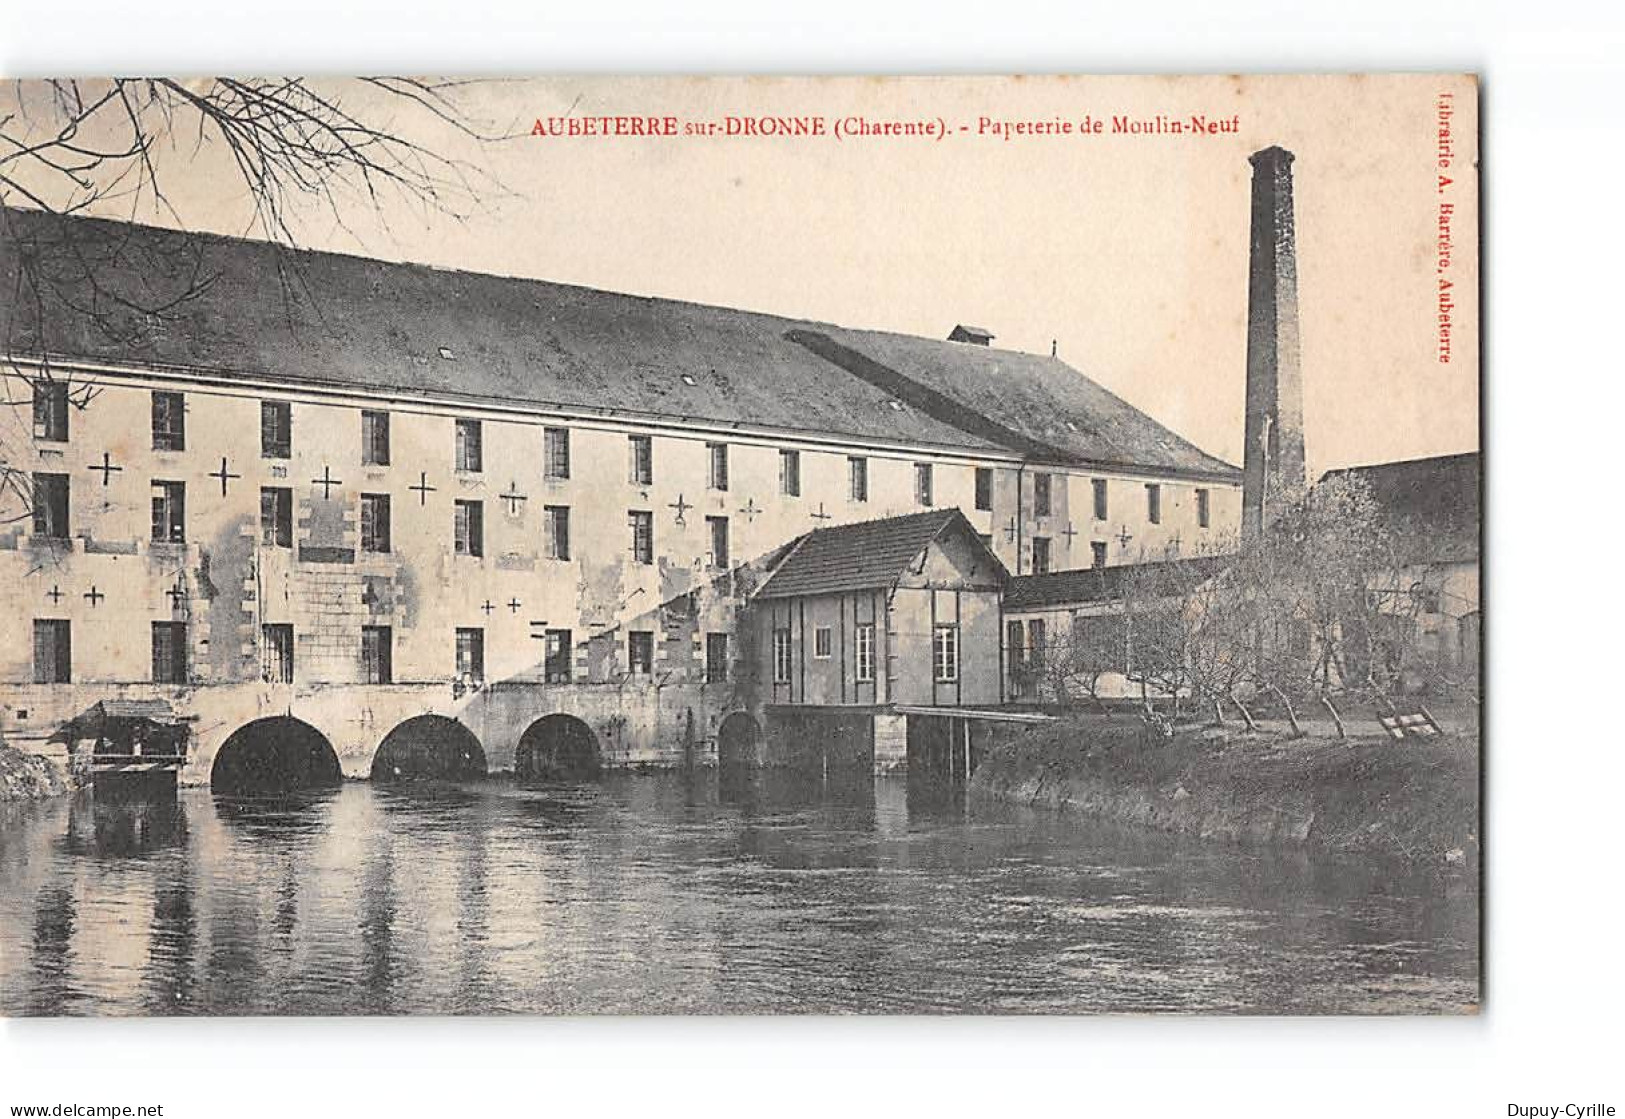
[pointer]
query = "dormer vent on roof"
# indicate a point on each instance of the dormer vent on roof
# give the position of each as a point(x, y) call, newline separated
point(973, 335)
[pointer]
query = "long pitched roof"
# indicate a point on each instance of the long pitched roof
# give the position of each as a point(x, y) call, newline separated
point(1087, 585)
point(1431, 505)
point(329, 319)
point(867, 555)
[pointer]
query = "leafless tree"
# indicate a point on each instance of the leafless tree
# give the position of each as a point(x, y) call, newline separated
point(115, 148)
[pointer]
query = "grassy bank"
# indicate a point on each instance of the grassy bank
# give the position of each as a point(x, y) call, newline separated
point(1416, 800)
point(26, 777)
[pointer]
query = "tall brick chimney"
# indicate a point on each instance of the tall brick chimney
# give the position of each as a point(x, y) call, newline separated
point(1273, 463)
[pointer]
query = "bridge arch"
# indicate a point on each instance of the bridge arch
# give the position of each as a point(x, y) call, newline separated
point(739, 742)
point(274, 755)
point(557, 747)
point(429, 747)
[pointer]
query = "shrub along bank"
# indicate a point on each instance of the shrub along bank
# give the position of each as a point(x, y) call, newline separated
point(1414, 799)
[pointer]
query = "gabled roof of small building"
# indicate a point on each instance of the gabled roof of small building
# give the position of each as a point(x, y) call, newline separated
point(332, 320)
point(1431, 505)
point(1089, 585)
point(868, 555)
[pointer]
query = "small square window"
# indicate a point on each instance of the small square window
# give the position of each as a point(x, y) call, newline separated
point(375, 522)
point(375, 438)
point(556, 452)
point(556, 528)
point(1041, 495)
point(641, 524)
point(470, 451)
point(469, 528)
point(276, 429)
point(51, 411)
point(168, 421)
point(640, 469)
point(640, 652)
point(276, 517)
point(857, 469)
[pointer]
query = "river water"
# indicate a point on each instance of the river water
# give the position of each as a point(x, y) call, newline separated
point(672, 894)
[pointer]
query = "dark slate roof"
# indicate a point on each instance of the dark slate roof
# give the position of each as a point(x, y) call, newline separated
point(1099, 584)
point(1036, 403)
point(1431, 505)
point(868, 555)
point(329, 319)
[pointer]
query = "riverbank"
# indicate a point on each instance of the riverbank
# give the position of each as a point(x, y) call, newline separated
point(1416, 799)
point(27, 777)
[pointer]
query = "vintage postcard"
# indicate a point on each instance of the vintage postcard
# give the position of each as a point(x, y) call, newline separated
point(740, 546)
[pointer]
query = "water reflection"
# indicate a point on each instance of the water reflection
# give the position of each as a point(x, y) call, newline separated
point(691, 892)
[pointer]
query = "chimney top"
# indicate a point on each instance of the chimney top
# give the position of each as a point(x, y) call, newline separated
point(974, 335)
point(1272, 154)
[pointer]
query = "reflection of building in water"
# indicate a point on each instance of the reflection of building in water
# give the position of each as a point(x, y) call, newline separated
point(348, 492)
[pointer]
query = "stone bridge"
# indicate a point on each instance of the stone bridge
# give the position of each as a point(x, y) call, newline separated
point(500, 727)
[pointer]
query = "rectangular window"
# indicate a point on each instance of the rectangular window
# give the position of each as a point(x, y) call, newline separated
point(556, 529)
point(375, 438)
point(377, 655)
point(945, 654)
point(556, 668)
point(857, 473)
point(781, 656)
point(168, 421)
point(276, 517)
point(469, 528)
point(823, 643)
point(1153, 503)
point(1015, 652)
point(1097, 553)
point(864, 648)
point(718, 454)
point(276, 429)
point(1204, 511)
point(719, 541)
point(1040, 555)
point(640, 465)
point(53, 651)
point(51, 505)
point(276, 665)
point(922, 483)
point(169, 652)
point(375, 522)
point(1101, 510)
point(471, 654)
point(169, 512)
point(470, 451)
point(51, 411)
point(640, 652)
point(1038, 637)
point(790, 473)
point(642, 525)
point(1041, 495)
point(984, 487)
point(555, 452)
point(716, 658)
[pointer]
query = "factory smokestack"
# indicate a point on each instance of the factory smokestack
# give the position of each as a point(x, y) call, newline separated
point(1273, 464)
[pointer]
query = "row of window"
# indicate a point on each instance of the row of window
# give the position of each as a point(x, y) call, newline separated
point(944, 652)
point(276, 441)
point(53, 654)
point(468, 529)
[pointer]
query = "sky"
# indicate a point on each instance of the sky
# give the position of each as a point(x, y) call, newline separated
point(1127, 252)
